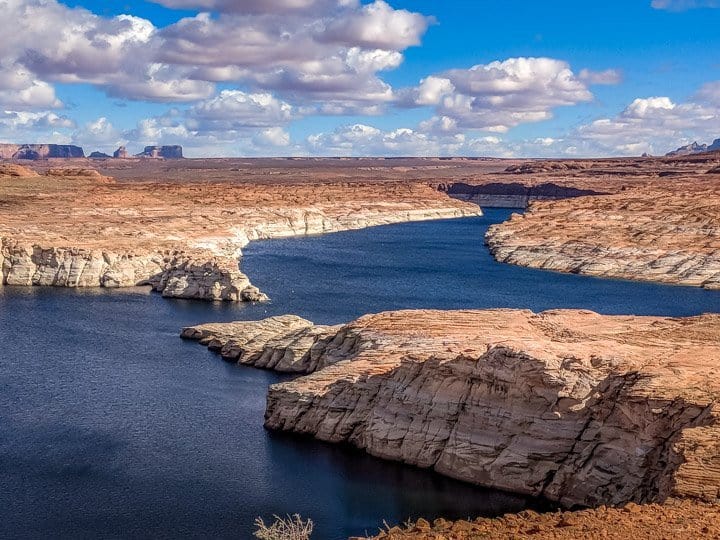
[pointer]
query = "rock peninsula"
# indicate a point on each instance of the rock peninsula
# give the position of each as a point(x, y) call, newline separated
point(576, 407)
point(71, 226)
point(652, 234)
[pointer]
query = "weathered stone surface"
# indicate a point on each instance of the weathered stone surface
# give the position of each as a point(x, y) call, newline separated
point(74, 227)
point(287, 343)
point(574, 406)
point(664, 235)
point(9, 170)
point(166, 152)
point(676, 519)
point(40, 151)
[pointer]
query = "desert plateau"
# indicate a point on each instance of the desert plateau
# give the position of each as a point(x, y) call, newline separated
point(359, 269)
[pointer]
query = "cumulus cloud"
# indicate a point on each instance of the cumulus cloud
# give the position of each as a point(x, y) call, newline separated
point(377, 26)
point(683, 5)
point(608, 76)
point(654, 125)
point(333, 61)
point(323, 52)
point(498, 96)
point(257, 6)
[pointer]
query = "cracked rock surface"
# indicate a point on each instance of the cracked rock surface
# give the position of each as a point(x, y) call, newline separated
point(577, 407)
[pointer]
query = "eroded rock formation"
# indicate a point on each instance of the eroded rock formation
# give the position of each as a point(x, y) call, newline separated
point(288, 343)
point(73, 227)
point(167, 152)
point(675, 519)
point(513, 195)
point(664, 235)
point(574, 406)
point(40, 151)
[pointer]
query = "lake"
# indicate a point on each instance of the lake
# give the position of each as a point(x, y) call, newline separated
point(111, 426)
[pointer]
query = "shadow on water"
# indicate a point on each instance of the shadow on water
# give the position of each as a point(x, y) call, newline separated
point(111, 426)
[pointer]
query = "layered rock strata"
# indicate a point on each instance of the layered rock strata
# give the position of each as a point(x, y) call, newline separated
point(512, 195)
point(40, 151)
point(288, 344)
point(570, 405)
point(73, 227)
point(663, 235)
point(675, 519)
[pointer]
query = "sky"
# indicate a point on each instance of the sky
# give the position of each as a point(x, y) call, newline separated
point(505, 78)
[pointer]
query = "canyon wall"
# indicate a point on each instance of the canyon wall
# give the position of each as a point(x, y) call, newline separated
point(573, 406)
point(73, 227)
point(40, 151)
point(512, 195)
point(663, 235)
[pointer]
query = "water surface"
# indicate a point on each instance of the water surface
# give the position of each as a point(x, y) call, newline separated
point(113, 427)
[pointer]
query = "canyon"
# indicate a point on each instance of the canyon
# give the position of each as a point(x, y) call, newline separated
point(654, 234)
point(572, 406)
point(75, 227)
point(568, 405)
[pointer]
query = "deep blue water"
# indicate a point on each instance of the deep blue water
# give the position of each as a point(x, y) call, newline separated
point(113, 427)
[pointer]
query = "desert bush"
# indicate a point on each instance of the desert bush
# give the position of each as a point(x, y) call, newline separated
point(288, 528)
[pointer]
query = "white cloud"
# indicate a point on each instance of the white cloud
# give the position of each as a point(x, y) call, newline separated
point(234, 109)
point(608, 76)
point(498, 96)
point(377, 26)
point(257, 6)
point(683, 5)
point(274, 136)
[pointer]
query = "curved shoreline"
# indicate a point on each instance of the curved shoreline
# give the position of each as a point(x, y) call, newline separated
point(77, 229)
point(655, 235)
point(568, 405)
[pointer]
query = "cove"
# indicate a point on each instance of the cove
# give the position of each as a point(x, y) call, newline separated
point(111, 426)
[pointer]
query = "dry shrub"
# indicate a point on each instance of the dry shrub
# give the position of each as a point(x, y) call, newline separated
point(288, 528)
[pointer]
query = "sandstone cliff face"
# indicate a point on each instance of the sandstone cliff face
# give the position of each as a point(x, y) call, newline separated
point(287, 344)
point(166, 152)
point(40, 151)
point(577, 407)
point(176, 275)
point(651, 235)
point(73, 227)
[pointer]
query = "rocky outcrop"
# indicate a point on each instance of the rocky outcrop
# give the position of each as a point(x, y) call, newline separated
point(165, 152)
point(543, 166)
point(695, 148)
point(73, 227)
point(688, 149)
point(175, 275)
point(10, 170)
point(650, 235)
point(120, 153)
point(573, 406)
point(288, 344)
point(685, 519)
point(99, 155)
point(40, 151)
point(512, 195)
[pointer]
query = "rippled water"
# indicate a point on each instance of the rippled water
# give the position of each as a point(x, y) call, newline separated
point(113, 427)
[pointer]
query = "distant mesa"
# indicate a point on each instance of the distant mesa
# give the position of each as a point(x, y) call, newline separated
point(166, 152)
point(98, 155)
point(120, 153)
point(40, 151)
point(695, 148)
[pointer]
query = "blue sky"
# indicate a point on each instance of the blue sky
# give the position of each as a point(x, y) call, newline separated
point(630, 50)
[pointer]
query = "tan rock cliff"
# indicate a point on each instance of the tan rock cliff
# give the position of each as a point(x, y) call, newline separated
point(577, 407)
point(73, 227)
point(669, 236)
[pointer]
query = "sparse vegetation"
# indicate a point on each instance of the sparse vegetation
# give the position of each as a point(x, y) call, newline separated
point(288, 528)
